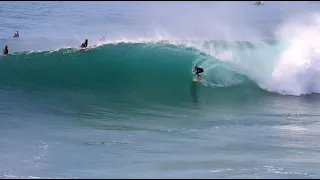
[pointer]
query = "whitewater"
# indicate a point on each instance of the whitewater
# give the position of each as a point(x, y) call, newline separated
point(128, 108)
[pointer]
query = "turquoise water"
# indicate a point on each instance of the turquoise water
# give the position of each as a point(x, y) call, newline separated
point(128, 108)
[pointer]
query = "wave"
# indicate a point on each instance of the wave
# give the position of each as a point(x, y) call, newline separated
point(149, 69)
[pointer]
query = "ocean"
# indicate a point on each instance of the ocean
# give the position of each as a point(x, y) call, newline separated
point(127, 107)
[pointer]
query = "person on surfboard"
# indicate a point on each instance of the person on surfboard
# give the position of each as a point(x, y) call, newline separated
point(198, 70)
point(85, 44)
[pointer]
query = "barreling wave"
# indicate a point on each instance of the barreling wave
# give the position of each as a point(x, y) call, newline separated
point(137, 65)
point(145, 70)
point(159, 69)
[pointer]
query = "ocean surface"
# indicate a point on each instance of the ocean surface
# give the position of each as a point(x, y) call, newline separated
point(127, 107)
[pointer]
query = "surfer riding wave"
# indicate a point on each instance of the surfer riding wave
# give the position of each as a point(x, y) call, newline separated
point(198, 70)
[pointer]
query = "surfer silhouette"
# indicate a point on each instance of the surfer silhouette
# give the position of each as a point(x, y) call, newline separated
point(85, 44)
point(16, 34)
point(198, 70)
point(5, 50)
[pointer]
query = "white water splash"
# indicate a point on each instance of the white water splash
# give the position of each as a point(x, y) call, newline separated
point(297, 69)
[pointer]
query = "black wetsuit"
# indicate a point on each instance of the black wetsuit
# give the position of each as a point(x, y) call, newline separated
point(198, 71)
point(5, 51)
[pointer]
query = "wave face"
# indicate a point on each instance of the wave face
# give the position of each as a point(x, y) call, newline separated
point(158, 70)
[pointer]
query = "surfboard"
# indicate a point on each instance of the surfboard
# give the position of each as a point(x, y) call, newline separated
point(195, 79)
point(83, 49)
point(86, 49)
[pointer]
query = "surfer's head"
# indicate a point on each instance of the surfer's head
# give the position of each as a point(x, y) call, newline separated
point(86, 41)
point(196, 67)
point(6, 46)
